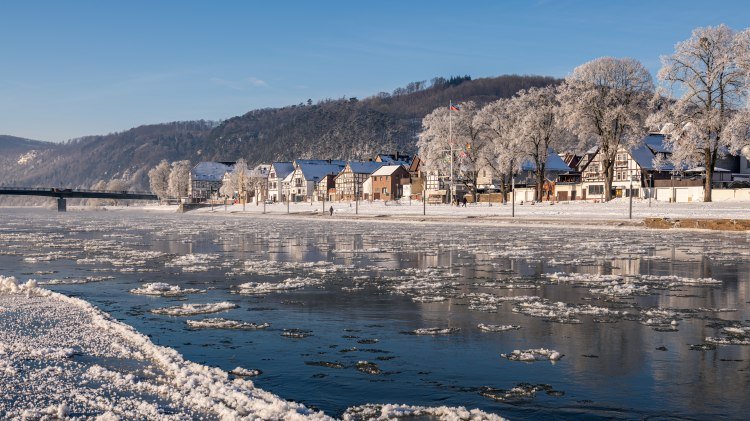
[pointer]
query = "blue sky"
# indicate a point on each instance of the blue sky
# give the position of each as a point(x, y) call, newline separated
point(75, 68)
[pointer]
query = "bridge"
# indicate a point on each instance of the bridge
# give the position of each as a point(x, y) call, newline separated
point(63, 194)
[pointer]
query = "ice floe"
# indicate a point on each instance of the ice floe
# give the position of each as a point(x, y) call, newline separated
point(433, 331)
point(195, 309)
point(497, 328)
point(244, 372)
point(221, 323)
point(384, 412)
point(285, 285)
point(531, 355)
point(164, 290)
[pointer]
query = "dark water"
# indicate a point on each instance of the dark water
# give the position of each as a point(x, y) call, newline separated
point(616, 366)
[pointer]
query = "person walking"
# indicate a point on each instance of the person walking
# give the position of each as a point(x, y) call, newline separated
point(331, 210)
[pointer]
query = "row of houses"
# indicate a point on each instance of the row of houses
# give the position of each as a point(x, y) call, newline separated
point(383, 178)
point(639, 171)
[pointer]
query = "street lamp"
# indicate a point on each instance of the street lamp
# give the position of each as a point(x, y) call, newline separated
point(424, 194)
point(513, 196)
point(630, 193)
point(651, 187)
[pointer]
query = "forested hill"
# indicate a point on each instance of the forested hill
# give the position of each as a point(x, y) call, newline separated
point(351, 128)
point(346, 128)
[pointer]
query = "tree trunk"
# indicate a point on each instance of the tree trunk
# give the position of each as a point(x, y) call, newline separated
point(540, 183)
point(707, 184)
point(609, 175)
point(503, 189)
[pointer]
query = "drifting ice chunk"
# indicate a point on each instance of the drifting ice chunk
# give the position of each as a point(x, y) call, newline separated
point(497, 328)
point(395, 412)
point(296, 333)
point(193, 309)
point(434, 331)
point(243, 372)
point(164, 290)
point(285, 285)
point(531, 355)
point(220, 323)
point(368, 367)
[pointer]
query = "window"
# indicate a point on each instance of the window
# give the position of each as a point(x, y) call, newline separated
point(596, 189)
point(385, 190)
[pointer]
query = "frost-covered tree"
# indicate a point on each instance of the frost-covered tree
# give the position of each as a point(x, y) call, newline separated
point(540, 128)
point(158, 178)
point(238, 180)
point(708, 74)
point(497, 121)
point(179, 179)
point(605, 103)
point(448, 131)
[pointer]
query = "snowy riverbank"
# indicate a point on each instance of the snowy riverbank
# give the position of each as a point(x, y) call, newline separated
point(62, 358)
point(579, 214)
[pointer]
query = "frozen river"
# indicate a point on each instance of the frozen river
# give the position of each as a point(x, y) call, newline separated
point(648, 323)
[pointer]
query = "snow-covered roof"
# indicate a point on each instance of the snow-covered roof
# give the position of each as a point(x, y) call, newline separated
point(297, 162)
point(316, 170)
point(282, 169)
point(645, 154)
point(389, 159)
point(703, 169)
point(554, 163)
point(209, 171)
point(387, 170)
point(365, 167)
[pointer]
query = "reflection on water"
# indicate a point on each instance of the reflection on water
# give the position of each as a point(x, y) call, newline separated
point(626, 336)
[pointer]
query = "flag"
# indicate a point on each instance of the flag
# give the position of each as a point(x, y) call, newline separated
point(454, 108)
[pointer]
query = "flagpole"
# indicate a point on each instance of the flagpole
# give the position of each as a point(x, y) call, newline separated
point(450, 142)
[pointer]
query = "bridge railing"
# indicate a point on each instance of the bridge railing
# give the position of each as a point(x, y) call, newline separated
point(66, 190)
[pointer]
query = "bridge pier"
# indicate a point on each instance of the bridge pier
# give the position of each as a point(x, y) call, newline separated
point(62, 205)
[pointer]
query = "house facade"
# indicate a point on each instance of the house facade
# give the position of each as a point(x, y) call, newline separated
point(388, 181)
point(277, 172)
point(206, 179)
point(308, 173)
point(642, 167)
point(349, 181)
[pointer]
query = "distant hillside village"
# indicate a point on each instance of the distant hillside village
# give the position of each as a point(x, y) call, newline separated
point(643, 172)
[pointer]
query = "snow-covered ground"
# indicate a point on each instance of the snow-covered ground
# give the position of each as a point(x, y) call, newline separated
point(62, 358)
point(617, 209)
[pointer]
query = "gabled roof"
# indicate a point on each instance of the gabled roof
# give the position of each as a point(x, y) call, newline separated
point(397, 159)
point(554, 163)
point(364, 167)
point(387, 170)
point(297, 162)
point(282, 169)
point(645, 154)
point(209, 171)
point(315, 171)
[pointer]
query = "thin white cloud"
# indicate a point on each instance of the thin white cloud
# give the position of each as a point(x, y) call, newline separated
point(240, 85)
